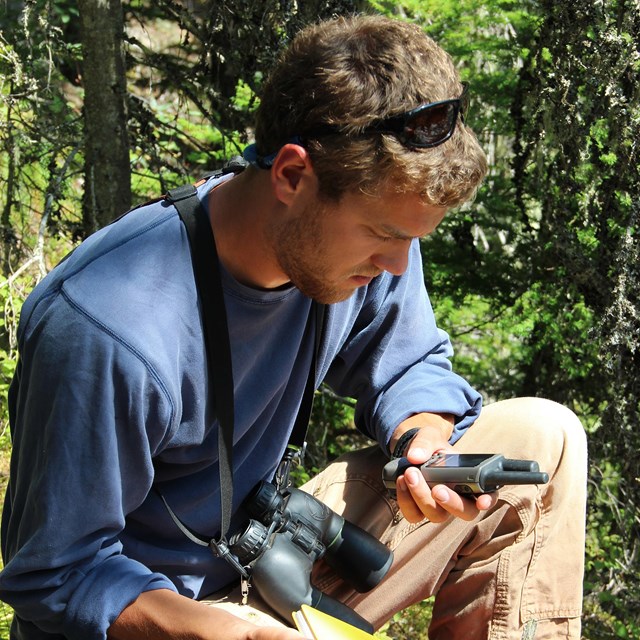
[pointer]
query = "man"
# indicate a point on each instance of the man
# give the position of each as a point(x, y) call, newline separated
point(361, 148)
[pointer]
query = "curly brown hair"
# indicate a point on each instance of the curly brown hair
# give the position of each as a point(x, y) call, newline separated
point(348, 72)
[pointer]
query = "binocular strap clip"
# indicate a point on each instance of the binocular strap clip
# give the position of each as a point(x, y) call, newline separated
point(293, 457)
point(220, 549)
point(244, 588)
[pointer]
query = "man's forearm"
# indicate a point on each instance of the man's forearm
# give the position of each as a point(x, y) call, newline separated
point(162, 613)
point(165, 615)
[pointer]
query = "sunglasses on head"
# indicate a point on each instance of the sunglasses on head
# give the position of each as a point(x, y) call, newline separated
point(424, 127)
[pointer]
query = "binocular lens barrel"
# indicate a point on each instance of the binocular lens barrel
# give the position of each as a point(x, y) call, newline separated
point(359, 558)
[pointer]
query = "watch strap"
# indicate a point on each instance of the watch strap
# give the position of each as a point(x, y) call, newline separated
point(403, 443)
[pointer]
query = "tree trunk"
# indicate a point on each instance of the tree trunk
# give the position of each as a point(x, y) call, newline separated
point(107, 189)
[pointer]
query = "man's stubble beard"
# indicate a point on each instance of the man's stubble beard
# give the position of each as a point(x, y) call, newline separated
point(300, 249)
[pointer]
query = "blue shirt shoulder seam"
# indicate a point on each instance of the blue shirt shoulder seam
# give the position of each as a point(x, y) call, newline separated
point(133, 350)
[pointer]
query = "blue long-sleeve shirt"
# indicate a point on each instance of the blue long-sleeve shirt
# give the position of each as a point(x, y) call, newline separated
point(110, 397)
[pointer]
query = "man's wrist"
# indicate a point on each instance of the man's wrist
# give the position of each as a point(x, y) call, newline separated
point(403, 442)
point(440, 424)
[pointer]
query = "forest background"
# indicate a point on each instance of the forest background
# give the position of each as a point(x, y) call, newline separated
point(105, 104)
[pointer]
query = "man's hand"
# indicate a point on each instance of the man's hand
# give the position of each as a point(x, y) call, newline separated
point(165, 615)
point(416, 499)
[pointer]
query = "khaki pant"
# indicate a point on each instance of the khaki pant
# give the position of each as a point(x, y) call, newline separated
point(514, 572)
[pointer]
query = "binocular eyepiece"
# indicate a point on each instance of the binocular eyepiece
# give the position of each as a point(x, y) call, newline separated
point(289, 530)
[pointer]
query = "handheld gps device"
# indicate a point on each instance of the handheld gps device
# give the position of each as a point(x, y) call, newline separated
point(468, 473)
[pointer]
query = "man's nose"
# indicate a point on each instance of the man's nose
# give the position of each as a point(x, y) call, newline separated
point(395, 259)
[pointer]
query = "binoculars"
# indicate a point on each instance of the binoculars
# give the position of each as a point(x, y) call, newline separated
point(288, 531)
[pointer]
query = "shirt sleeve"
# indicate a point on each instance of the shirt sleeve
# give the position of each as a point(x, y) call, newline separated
point(395, 360)
point(81, 404)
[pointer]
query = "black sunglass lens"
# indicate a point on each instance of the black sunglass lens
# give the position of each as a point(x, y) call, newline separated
point(432, 125)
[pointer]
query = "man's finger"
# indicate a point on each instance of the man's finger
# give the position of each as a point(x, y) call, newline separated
point(407, 504)
point(415, 499)
point(455, 504)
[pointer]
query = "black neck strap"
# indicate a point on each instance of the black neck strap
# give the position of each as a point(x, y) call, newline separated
point(208, 280)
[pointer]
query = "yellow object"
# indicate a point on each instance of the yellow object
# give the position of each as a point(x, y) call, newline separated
point(317, 625)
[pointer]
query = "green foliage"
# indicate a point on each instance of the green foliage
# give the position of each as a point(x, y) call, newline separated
point(12, 294)
point(488, 339)
point(6, 616)
point(39, 136)
point(10, 302)
point(413, 622)
point(577, 157)
point(331, 433)
point(611, 561)
point(8, 361)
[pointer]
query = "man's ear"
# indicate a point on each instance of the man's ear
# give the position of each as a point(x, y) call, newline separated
point(291, 172)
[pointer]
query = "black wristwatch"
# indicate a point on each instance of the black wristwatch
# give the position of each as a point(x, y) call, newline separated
point(403, 443)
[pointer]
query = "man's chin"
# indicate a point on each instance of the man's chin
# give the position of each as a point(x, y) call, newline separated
point(326, 294)
point(332, 296)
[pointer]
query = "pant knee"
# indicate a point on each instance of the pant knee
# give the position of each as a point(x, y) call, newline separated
point(535, 428)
